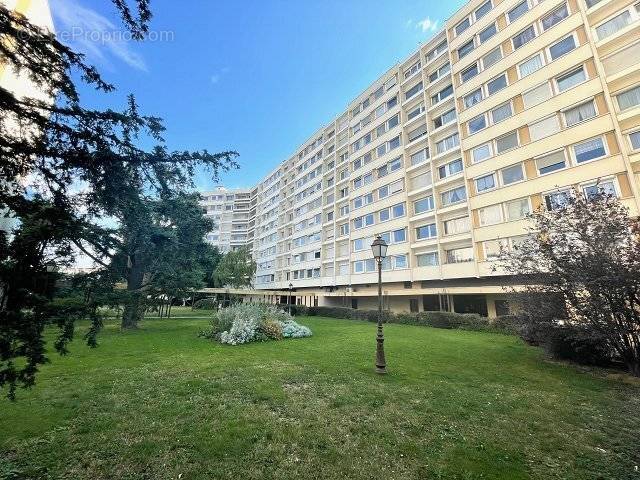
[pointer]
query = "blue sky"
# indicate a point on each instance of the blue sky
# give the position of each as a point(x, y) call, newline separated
point(258, 77)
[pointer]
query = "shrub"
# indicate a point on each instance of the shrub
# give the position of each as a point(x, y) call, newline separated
point(296, 310)
point(206, 304)
point(577, 345)
point(253, 322)
point(292, 329)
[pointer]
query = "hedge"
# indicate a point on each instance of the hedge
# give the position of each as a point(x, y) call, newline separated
point(448, 320)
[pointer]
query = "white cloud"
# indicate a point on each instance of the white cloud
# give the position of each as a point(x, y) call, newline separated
point(93, 34)
point(427, 25)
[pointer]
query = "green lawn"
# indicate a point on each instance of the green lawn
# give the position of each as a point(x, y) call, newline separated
point(162, 403)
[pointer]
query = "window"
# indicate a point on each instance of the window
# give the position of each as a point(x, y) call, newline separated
point(501, 113)
point(554, 17)
point(437, 51)
point(493, 248)
point(517, 209)
point(442, 94)
point(466, 49)
point(469, 73)
point(413, 90)
point(416, 111)
point(412, 70)
point(422, 180)
point(457, 225)
point(562, 47)
point(491, 58)
point(629, 99)
point(445, 118)
point(536, 95)
point(400, 236)
point(517, 11)
point(497, 84)
point(486, 182)
point(605, 188)
point(397, 211)
point(429, 259)
point(460, 255)
point(482, 10)
point(453, 196)
point(476, 124)
point(419, 157)
point(423, 205)
point(507, 142)
point(580, 113)
point(512, 174)
point(524, 37)
point(614, 25)
point(487, 33)
point(544, 128)
point(571, 79)
point(589, 150)
point(474, 97)
point(417, 133)
point(557, 200)
point(448, 143)
point(528, 67)
point(384, 215)
point(490, 215)
point(450, 168)
point(635, 140)
point(462, 26)
point(426, 231)
point(481, 153)
point(551, 162)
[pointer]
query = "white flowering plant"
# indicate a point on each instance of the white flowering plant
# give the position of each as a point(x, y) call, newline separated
point(254, 322)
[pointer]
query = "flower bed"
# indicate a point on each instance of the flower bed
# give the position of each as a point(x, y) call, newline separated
point(250, 322)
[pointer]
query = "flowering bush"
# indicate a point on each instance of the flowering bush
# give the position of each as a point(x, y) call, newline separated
point(252, 322)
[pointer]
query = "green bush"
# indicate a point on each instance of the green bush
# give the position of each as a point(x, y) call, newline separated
point(206, 304)
point(296, 310)
point(577, 345)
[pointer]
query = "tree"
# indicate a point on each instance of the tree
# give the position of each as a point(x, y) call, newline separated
point(585, 253)
point(236, 269)
point(63, 146)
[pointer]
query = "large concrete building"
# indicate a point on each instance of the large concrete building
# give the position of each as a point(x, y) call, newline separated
point(511, 105)
point(229, 211)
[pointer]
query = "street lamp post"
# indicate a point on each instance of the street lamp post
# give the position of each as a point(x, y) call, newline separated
point(379, 248)
point(289, 299)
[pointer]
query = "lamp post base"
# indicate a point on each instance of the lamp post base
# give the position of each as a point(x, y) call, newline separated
point(381, 370)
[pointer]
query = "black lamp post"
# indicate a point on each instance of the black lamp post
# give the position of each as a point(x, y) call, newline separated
point(379, 248)
point(289, 299)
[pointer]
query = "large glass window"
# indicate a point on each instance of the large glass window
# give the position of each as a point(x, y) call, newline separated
point(556, 200)
point(571, 79)
point(551, 162)
point(544, 128)
point(635, 140)
point(507, 142)
point(497, 84)
point(517, 209)
point(490, 215)
point(580, 113)
point(589, 150)
point(423, 205)
point(524, 37)
point(466, 49)
point(604, 188)
point(460, 255)
point(429, 259)
point(426, 231)
point(501, 112)
point(483, 9)
point(487, 33)
point(517, 11)
point(453, 196)
point(536, 95)
point(486, 182)
point(462, 26)
point(562, 47)
point(629, 99)
point(512, 174)
point(450, 168)
point(457, 225)
point(469, 73)
point(448, 143)
point(554, 17)
point(474, 97)
point(478, 123)
point(528, 67)
point(614, 25)
point(491, 58)
point(481, 153)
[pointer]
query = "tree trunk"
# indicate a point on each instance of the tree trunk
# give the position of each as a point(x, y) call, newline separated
point(634, 368)
point(169, 308)
point(133, 310)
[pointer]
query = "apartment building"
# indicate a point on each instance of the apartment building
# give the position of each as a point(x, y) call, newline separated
point(511, 105)
point(229, 210)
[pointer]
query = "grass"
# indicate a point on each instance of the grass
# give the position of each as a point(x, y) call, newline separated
point(162, 403)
